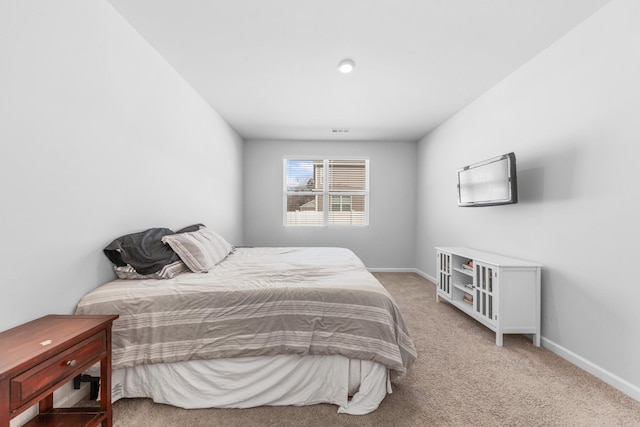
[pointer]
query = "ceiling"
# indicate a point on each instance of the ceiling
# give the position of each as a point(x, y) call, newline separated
point(269, 67)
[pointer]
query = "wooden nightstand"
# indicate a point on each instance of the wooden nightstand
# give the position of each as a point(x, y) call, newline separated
point(38, 357)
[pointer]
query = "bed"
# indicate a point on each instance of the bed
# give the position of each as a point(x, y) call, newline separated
point(263, 326)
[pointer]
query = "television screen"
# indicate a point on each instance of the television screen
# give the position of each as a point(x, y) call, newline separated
point(488, 183)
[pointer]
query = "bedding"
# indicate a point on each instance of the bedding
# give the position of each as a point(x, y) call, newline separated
point(167, 272)
point(258, 302)
point(247, 382)
point(144, 252)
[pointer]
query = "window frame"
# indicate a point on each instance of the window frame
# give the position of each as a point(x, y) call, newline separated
point(326, 193)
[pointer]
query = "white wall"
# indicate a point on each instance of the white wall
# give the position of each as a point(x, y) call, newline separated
point(99, 137)
point(388, 242)
point(571, 117)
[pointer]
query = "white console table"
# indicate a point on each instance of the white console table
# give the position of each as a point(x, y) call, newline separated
point(500, 292)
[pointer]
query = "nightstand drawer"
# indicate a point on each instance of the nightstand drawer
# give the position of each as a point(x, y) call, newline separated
point(27, 385)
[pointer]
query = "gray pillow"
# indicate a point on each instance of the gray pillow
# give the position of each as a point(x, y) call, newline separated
point(201, 250)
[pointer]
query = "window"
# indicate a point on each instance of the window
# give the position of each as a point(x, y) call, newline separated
point(340, 204)
point(319, 192)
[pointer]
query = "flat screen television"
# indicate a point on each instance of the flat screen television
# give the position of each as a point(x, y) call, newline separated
point(489, 183)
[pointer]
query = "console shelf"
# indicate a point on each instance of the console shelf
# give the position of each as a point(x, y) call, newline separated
point(500, 292)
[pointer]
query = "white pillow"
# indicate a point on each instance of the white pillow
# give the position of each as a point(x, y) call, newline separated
point(200, 250)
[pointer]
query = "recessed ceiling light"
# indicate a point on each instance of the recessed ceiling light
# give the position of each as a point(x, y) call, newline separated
point(346, 65)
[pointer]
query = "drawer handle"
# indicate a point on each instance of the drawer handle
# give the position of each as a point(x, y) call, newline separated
point(71, 362)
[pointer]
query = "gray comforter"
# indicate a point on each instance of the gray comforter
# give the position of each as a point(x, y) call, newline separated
point(258, 302)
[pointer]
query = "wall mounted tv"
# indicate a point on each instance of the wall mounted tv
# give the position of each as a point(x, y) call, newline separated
point(489, 183)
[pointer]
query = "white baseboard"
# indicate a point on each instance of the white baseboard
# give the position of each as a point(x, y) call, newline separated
point(391, 270)
point(64, 397)
point(613, 380)
point(425, 275)
point(403, 270)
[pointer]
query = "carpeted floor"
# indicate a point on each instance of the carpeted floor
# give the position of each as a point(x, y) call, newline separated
point(460, 379)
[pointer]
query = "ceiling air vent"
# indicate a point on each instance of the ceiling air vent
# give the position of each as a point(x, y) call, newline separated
point(340, 130)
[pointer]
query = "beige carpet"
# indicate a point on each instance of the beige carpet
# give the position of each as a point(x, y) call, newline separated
point(460, 379)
